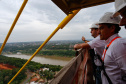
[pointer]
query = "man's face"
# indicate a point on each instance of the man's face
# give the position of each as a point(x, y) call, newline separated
point(94, 32)
point(104, 32)
point(123, 14)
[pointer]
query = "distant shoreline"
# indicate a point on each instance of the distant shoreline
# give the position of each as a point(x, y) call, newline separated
point(65, 58)
point(53, 60)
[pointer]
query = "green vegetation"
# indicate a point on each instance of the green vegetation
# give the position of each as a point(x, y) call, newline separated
point(56, 48)
point(66, 53)
point(6, 75)
point(33, 66)
point(47, 74)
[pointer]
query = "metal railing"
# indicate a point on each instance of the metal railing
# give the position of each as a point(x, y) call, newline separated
point(77, 71)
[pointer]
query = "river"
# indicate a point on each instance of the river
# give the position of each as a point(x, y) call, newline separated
point(43, 60)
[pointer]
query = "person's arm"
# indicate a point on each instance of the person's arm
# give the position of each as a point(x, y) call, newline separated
point(83, 39)
point(82, 45)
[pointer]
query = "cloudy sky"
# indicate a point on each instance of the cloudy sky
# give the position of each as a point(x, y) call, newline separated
point(40, 17)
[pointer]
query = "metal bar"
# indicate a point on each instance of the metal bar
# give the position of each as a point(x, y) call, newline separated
point(68, 18)
point(61, 25)
point(14, 23)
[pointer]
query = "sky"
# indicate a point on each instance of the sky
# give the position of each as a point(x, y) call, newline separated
point(41, 17)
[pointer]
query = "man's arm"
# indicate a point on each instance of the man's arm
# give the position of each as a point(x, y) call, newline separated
point(82, 45)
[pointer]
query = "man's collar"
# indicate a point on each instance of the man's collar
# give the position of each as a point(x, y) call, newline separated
point(111, 37)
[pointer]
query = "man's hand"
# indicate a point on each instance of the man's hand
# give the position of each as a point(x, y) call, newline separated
point(76, 46)
point(83, 38)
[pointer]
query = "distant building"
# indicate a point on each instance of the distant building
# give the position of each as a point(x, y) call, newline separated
point(45, 69)
point(18, 53)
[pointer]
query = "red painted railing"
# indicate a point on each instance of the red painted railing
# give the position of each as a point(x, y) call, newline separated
point(77, 71)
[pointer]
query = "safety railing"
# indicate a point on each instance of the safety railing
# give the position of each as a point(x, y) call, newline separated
point(78, 71)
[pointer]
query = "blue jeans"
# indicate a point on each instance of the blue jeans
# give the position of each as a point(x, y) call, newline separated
point(98, 75)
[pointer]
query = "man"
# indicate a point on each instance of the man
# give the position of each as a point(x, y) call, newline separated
point(114, 55)
point(97, 45)
point(94, 32)
point(120, 6)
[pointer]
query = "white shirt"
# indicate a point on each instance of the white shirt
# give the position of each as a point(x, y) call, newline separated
point(115, 60)
point(98, 46)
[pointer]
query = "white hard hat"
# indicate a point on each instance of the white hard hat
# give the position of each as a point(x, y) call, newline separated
point(94, 25)
point(119, 4)
point(108, 18)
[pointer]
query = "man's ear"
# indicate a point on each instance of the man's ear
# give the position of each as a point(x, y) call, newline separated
point(113, 29)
